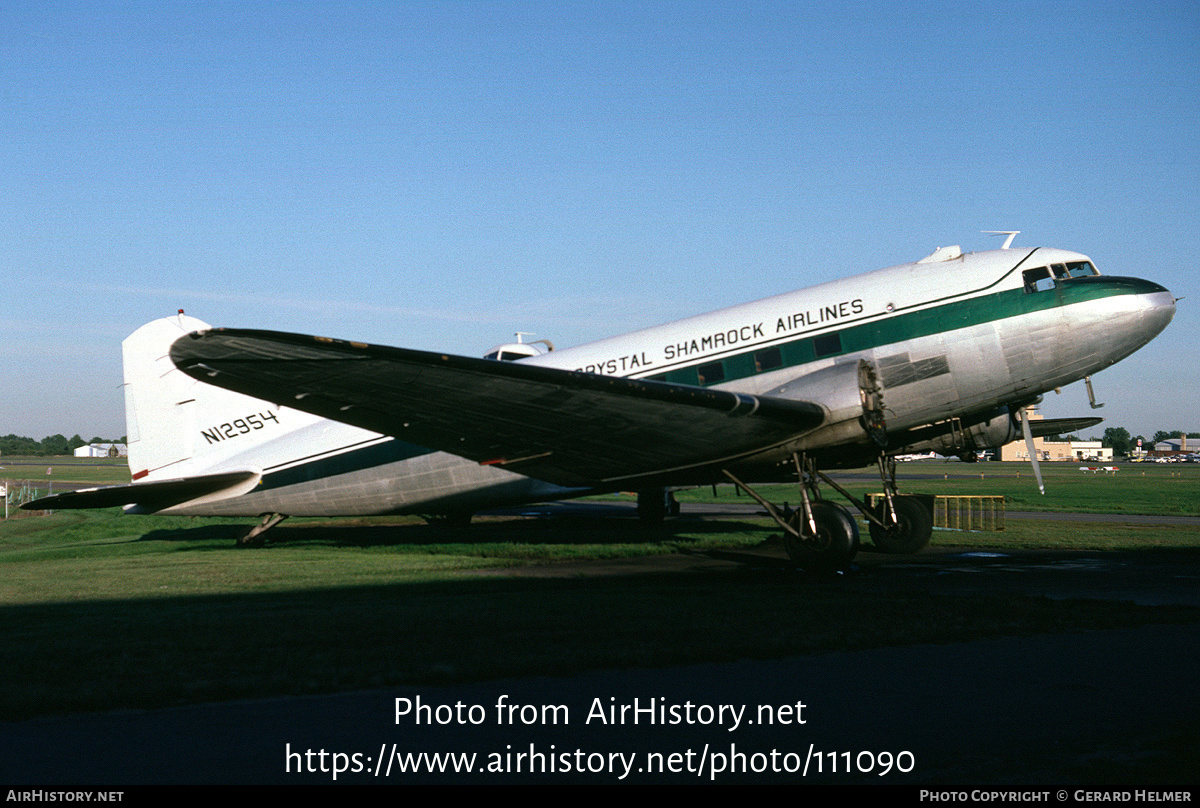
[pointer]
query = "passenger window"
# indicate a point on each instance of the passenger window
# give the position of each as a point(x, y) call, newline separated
point(827, 345)
point(1037, 280)
point(712, 373)
point(767, 359)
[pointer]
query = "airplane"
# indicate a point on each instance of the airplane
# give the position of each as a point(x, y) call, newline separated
point(944, 354)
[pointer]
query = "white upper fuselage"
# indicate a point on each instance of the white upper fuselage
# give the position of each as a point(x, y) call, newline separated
point(875, 295)
point(968, 311)
point(949, 338)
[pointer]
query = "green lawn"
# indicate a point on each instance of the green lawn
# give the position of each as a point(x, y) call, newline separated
point(102, 610)
point(1138, 488)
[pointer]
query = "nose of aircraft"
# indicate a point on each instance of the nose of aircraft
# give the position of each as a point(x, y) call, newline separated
point(1160, 308)
point(1138, 314)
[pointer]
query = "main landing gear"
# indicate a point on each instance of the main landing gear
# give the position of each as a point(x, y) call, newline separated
point(823, 535)
point(899, 524)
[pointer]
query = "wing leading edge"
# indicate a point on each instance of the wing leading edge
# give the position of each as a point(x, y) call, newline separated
point(1045, 427)
point(565, 427)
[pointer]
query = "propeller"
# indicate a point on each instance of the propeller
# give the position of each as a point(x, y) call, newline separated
point(1037, 469)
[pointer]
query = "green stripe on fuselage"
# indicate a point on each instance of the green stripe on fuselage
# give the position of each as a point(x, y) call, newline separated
point(903, 326)
point(854, 339)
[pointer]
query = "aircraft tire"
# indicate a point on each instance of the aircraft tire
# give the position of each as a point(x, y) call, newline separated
point(910, 535)
point(835, 544)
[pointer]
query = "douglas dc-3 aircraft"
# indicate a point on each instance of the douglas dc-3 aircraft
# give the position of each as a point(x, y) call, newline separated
point(944, 354)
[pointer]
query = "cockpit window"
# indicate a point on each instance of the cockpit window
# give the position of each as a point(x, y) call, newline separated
point(1038, 279)
point(1042, 278)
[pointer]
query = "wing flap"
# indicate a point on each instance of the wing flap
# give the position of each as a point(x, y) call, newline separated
point(565, 427)
point(149, 497)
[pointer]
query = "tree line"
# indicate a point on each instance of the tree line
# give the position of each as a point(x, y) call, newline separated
point(1116, 438)
point(49, 445)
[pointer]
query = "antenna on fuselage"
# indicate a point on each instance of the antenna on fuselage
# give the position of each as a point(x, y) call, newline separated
point(520, 335)
point(1008, 241)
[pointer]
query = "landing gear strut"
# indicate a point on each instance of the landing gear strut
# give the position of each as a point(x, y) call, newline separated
point(899, 524)
point(825, 535)
point(821, 535)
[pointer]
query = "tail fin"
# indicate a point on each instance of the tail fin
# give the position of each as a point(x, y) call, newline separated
point(176, 425)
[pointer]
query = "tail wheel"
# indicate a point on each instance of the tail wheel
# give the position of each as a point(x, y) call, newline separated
point(910, 534)
point(455, 520)
point(834, 544)
point(654, 505)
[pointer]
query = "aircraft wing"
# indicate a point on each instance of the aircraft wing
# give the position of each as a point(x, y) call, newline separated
point(1045, 427)
point(565, 427)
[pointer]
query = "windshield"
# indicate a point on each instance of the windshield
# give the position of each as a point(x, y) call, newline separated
point(1041, 278)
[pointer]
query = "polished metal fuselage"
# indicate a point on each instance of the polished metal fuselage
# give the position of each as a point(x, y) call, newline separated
point(952, 339)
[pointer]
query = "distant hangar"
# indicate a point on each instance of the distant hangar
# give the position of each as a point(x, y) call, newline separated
point(102, 450)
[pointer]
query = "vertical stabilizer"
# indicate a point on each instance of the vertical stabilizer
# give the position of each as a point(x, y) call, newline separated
point(177, 426)
point(159, 419)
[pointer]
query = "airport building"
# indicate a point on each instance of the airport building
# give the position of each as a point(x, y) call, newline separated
point(102, 450)
point(1052, 450)
point(1180, 444)
point(1176, 449)
point(1069, 450)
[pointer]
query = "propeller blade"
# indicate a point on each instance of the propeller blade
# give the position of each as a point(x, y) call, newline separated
point(1037, 468)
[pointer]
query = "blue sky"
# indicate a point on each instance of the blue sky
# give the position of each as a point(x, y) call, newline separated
point(440, 175)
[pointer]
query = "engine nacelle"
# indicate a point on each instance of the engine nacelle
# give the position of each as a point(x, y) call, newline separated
point(954, 437)
point(851, 395)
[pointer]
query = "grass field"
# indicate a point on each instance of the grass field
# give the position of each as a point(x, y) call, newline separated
point(44, 470)
point(104, 611)
point(1138, 488)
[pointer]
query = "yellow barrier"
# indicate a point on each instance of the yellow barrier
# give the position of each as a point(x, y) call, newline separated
point(969, 512)
point(983, 512)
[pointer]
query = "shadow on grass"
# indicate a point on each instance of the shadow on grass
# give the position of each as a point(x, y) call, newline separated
point(202, 534)
point(565, 529)
point(152, 652)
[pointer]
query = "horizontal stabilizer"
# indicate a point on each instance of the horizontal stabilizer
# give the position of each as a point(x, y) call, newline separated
point(1046, 427)
point(150, 496)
